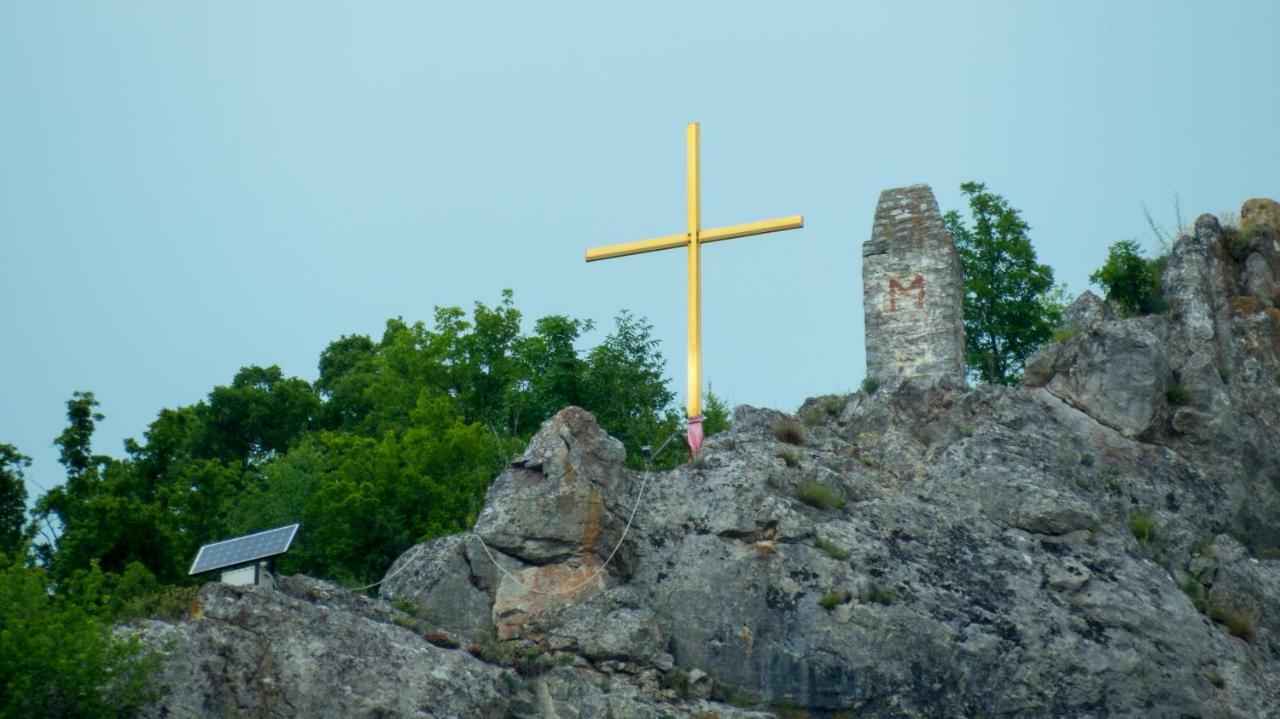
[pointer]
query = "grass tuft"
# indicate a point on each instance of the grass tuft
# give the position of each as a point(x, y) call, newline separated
point(789, 431)
point(790, 456)
point(831, 600)
point(1062, 334)
point(833, 404)
point(1238, 624)
point(881, 595)
point(830, 549)
point(870, 385)
point(440, 639)
point(1143, 526)
point(820, 496)
point(1178, 395)
point(1195, 592)
point(1215, 678)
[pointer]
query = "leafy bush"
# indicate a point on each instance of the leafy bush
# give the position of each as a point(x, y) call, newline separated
point(716, 414)
point(1087, 459)
point(820, 496)
point(870, 384)
point(1236, 243)
point(1143, 526)
point(14, 529)
point(58, 655)
point(1130, 280)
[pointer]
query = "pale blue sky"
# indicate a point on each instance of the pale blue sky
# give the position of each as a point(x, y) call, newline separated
point(188, 188)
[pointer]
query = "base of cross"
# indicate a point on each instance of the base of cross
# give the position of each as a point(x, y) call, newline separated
point(695, 433)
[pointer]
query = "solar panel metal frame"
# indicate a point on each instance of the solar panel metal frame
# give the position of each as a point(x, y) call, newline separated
point(242, 550)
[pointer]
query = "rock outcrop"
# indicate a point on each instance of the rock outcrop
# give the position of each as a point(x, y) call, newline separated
point(1101, 541)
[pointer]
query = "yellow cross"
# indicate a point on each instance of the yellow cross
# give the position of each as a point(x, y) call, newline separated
point(694, 238)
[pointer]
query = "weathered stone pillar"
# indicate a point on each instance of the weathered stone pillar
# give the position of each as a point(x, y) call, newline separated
point(912, 290)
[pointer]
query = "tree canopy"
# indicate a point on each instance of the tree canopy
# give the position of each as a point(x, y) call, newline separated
point(13, 499)
point(1009, 307)
point(1130, 280)
point(395, 442)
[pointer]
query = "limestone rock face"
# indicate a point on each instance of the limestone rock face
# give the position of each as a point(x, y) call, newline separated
point(546, 481)
point(913, 291)
point(554, 517)
point(312, 649)
point(1085, 309)
point(1115, 372)
point(1099, 541)
point(437, 575)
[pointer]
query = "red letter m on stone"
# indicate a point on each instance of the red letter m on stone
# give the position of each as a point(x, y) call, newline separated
point(917, 283)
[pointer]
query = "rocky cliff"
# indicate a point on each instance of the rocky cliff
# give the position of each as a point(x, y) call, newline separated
point(1101, 541)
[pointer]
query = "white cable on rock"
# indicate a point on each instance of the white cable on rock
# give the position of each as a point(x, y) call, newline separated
point(387, 578)
point(510, 576)
point(617, 546)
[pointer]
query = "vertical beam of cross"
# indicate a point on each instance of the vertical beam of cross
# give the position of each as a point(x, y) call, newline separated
point(693, 192)
point(694, 238)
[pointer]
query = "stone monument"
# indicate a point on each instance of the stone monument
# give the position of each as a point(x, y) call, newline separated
point(912, 291)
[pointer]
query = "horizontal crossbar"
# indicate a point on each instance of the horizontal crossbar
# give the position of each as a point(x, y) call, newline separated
point(713, 235)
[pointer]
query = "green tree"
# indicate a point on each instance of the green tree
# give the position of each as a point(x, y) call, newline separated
point(106, 510)
point(716, 415)
point(14, 529)
point(348, 366)
point(624, 386)
point(75, 444)
point(58, 655)
point(256, 417)
point(1008, 312)
point(370, 499)
point(396, 442)
point(485, 372)
point(552, 368)
point(1130, 280)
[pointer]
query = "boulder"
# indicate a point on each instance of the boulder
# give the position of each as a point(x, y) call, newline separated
point(1261, 214)
point(1115, 373)
point(568, 470)
point(435, 578)
point(1084, 309)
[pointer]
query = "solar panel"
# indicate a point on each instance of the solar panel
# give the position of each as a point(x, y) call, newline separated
point(230, 552)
